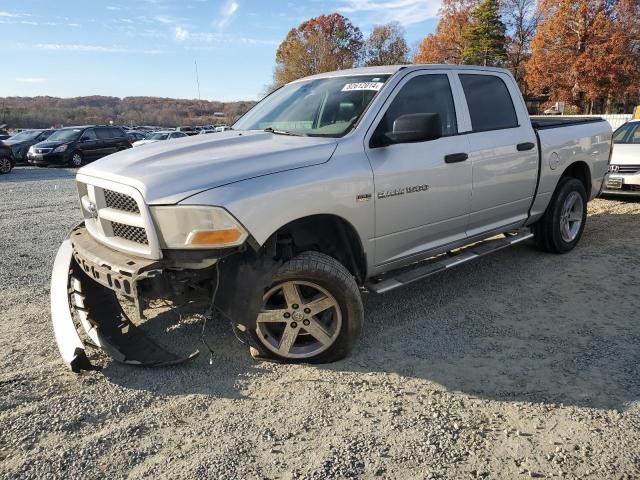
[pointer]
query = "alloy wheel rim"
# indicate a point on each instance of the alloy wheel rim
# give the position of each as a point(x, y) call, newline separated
point(76, 159)
point(299, 320)
point(571, 217)
point(5, 165)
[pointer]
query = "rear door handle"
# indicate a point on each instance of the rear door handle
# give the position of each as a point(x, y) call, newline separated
point(455, 157)
point(525, 146)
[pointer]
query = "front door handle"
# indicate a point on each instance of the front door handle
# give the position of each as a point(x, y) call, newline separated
point(455, 157)
point(525, 146)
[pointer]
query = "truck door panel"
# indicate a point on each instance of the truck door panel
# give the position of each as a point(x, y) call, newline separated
point(421, 200)
point(503, 153)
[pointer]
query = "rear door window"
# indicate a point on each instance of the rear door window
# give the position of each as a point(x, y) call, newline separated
point(116, 133)
point(489, 102)
point(103, 133)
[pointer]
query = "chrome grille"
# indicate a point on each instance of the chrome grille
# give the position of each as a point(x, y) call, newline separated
point(129, 232)
point(120, 201)
point(116, 216)
point(624, 169)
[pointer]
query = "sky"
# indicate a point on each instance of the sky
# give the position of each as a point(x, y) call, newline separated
point(121, 48)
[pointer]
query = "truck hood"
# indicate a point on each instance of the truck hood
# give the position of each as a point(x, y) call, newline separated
point(626, 154)
point(168, 172)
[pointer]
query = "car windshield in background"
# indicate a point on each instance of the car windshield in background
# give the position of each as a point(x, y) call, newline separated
point(25, 135)
point(628, 133)
point(65, 134)
point(159, 136)
point(327, 107)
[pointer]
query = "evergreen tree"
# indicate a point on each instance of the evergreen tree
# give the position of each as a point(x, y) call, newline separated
point(485, 36)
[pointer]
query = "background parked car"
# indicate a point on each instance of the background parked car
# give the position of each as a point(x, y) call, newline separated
point(77, 145)
point(624, 169)
point(135, 135)
point(188, 130)
point(159, 137)
point(22, 141)
point(6, 159)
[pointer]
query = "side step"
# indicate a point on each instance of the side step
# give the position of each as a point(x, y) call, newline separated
point(447, 260)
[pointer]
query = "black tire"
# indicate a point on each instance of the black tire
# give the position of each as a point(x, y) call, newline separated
point(547, 230)
point(76, 160)
point(327, 273)
point(5, 165)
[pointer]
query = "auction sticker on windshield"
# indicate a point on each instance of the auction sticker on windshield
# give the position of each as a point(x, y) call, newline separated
point(350, 87)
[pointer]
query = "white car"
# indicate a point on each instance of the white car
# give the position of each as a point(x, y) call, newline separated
point(624, 170)
point(159, 136)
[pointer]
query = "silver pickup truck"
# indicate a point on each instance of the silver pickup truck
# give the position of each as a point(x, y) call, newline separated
point(334, 185)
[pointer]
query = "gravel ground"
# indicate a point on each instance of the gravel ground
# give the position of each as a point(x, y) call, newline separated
point(520, 365)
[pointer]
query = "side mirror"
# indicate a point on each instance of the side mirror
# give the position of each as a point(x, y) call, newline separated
point(415, 127)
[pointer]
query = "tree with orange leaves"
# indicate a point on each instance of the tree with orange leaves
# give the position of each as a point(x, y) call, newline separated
point(447, 43)
point(320, 44)
point(586, 53)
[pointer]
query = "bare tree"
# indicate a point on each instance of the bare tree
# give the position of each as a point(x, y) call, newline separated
point(522, 20)
point(386, 46)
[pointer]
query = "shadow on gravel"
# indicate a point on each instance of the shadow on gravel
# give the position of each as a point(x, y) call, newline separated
point(516, 326)
point(230, 361)
point(37, 174)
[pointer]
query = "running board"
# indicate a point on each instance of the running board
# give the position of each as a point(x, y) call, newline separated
point(444, 261)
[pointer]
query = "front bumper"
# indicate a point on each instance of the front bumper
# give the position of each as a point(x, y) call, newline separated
point(47, 158)
point(84, 284)
point(619, 184)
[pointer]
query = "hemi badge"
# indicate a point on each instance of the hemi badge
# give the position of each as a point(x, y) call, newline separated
point(363, 197)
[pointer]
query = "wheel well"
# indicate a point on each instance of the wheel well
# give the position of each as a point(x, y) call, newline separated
point(329, 234)
point(580, 170)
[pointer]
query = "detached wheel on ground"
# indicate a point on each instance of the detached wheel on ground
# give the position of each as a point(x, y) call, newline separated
point(5, 165)
point(561, 227)
point(312, 312)
point(76, 160)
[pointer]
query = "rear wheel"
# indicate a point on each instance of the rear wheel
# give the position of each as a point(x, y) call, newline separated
point(76, 160)
point(311, 313)
point(561, 227)
point(5, 165)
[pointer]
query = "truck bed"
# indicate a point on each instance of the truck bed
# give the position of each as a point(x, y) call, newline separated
point(540, 122)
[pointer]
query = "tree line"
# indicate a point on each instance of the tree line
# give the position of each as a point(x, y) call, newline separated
point(585, 53)
point(45, 112)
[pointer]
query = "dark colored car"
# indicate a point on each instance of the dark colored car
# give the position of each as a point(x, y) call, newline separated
point(6, 159)
point(77, 145)
point(4, 134)
point(21, 142)
point(135, 135)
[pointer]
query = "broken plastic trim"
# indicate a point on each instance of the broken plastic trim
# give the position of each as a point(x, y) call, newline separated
point(101, 317)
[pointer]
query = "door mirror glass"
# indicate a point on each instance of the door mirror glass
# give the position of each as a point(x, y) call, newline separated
point(415, 127)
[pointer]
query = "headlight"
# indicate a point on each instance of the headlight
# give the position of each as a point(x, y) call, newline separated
point(197, 227)
point(61, 148)
point(32, 150)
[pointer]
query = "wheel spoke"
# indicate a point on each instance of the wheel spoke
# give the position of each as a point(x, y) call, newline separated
point(291, 294)
point(287, 340)
point(320, 305)
point(575, 216)
point(271, 316)
point(317, 331)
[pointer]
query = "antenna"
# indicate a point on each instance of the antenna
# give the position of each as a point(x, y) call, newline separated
point(197, 79)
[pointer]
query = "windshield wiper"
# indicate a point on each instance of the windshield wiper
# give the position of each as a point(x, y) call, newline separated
point(282, 132)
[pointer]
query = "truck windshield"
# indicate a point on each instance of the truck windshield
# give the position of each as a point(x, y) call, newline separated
point(326, 107)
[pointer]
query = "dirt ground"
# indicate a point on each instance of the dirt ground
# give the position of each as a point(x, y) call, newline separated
point(520, 365)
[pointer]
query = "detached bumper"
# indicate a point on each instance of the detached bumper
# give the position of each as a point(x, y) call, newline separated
point(84, 284)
